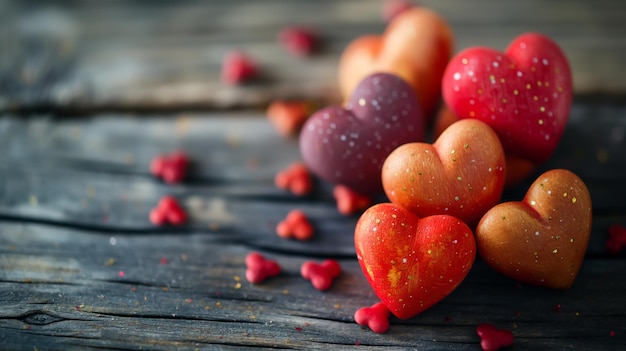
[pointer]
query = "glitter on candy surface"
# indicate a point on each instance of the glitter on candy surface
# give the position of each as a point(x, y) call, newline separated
point(525, 93)
point(348, 146)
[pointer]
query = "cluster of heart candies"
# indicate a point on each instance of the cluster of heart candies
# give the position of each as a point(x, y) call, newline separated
point(502, 116)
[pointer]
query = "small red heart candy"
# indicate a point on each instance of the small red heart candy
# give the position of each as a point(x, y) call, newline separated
point(524, 93)
point(258, 268)
point(321, 275)
point(349, 201)
point(349, 145)
point(411, 262)
point(375, 317)
point(461, 174)
point(296, 225)
point(168, 211)
point(492, 338)
point(542, 239)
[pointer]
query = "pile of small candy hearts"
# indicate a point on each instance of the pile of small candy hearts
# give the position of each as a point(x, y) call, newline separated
point(502, 117)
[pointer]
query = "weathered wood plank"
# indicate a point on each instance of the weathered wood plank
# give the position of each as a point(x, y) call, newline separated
point(55, 171)
point(168, 55)
point(63, 289)
point(244, 147)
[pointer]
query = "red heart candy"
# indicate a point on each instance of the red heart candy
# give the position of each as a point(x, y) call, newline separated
point(524, 94)
point(376, 317)
point(258, 268)
point(411, 262)
point(296, 225)
point(321, 275)
point(349, 145)
point(492, 338)
point(461, 174)
point(167, 211)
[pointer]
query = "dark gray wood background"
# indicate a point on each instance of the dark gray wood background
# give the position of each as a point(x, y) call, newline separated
point(91, 91)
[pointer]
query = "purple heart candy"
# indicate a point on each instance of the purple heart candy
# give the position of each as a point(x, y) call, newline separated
point(349, 145)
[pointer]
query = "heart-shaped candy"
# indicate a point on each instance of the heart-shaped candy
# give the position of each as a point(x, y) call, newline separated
point(541, 240)
point(517, 168)
point(416, 46)
point(411, 262)
point(349, 145)
point(524, 94)
point(461, 174)
point(492, 338)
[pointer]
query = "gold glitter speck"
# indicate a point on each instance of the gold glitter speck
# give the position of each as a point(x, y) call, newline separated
point(573, 200)
point(464, 61)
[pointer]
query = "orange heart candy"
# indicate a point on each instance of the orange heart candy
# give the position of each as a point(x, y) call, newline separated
point(461, 174)
point(541, 240)
point(517, 168)
point(416, 46)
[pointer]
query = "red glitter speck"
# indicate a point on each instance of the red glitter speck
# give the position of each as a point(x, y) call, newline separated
point(358, 343)
point(163, 260)
point(121, 273)
point(612, 333)
point(298, 329)
point(557, 308)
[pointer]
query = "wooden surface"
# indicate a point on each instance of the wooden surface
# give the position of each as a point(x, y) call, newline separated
point(92, 92)
point(128, 54)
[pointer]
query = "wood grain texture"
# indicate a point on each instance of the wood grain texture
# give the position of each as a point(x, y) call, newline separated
point(169, 54)
point(189, 291)
point(75, 197)
point(90, 92)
